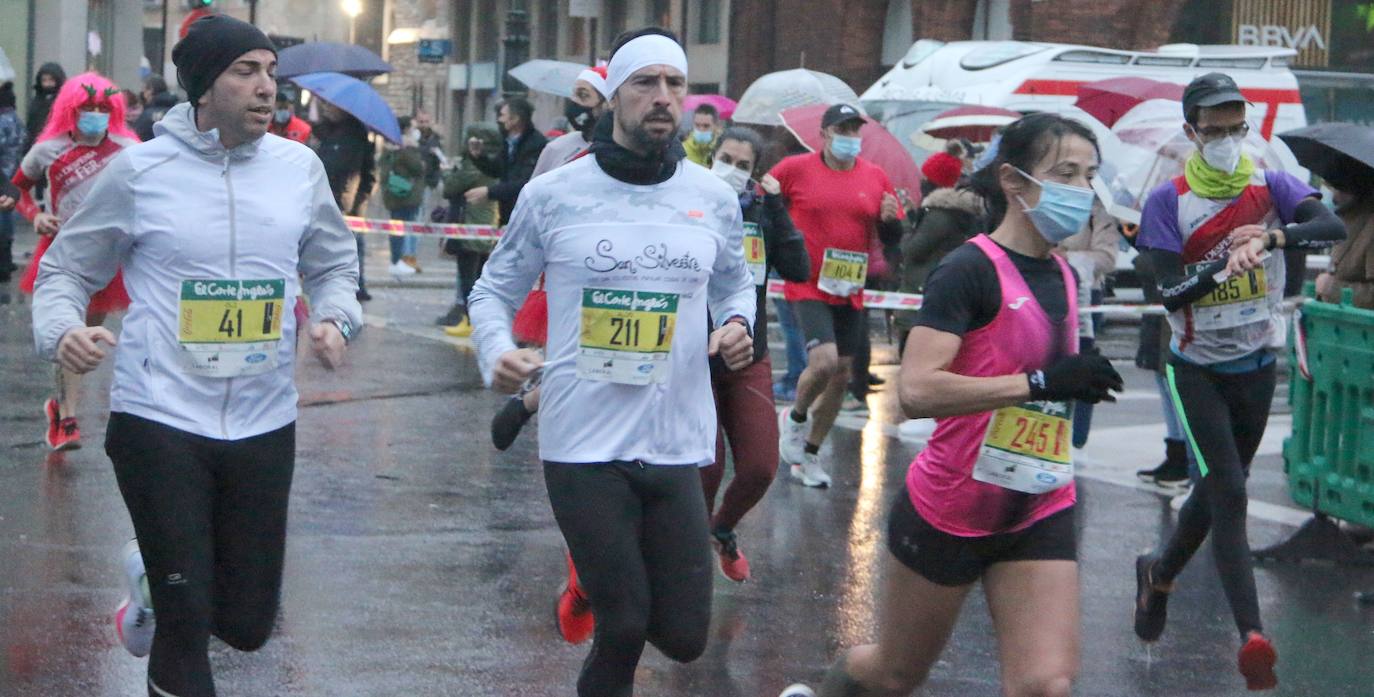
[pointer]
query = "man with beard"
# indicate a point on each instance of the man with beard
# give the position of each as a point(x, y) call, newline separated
point(636, 248)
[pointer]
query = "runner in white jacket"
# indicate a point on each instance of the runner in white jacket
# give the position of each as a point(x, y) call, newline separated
point(213, 222)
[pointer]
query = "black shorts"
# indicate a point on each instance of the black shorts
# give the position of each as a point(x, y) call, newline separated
point(951, 560)
point(823, 323)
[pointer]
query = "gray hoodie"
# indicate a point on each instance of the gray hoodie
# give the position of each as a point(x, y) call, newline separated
point(177, 212)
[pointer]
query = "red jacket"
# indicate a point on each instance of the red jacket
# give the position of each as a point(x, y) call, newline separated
point(296, 129)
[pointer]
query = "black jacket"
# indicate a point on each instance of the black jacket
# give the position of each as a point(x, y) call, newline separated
point(513, 170)
point(152, 113)
point(784, 251)
point(41, 102)
point(947, 219)
point(349, 160)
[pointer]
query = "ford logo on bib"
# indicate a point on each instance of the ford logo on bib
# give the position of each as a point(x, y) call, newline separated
point(256, 358)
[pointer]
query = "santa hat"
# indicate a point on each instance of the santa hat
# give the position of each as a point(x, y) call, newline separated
point(596, 77)
point(942, 169)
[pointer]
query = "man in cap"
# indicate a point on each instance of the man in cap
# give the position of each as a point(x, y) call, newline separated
point(636, 248)
point(1210, 238)
point(839, 201)
point(213, 222)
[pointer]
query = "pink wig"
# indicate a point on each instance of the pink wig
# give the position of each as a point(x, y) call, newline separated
point(80, 92)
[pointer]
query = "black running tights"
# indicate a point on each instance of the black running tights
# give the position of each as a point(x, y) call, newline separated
point(1224, 416)
point(638, 537)
point(210, 516)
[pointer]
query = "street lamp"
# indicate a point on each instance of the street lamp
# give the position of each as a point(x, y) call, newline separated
point(352, 8)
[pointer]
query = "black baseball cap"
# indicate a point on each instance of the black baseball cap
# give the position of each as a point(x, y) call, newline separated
point(1210, 90)
point(839, 113)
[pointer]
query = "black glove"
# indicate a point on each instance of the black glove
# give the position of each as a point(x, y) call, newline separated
point(1087, 377)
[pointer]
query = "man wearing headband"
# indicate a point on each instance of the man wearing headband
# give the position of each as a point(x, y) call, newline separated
point(582, 109)
point(636, 248)
point(215, 223)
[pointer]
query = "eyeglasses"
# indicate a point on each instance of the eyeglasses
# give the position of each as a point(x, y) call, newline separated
point(1214, 132)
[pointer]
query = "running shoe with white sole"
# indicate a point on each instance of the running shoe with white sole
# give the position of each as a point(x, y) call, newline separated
point(810, 473)
point(134, 620)
point(797, 690)
point(791, 437)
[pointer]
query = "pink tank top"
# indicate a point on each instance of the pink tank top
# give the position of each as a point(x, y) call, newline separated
point(1019, 339)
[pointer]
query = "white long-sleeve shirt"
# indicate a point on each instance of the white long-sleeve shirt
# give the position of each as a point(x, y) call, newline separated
point(587, 231)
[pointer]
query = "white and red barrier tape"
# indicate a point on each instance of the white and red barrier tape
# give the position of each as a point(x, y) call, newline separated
point(875, 299)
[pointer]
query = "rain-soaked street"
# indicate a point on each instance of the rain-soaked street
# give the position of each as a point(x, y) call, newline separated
point(422, 562)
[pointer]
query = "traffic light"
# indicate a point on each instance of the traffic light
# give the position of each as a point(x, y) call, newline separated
point(199, 4)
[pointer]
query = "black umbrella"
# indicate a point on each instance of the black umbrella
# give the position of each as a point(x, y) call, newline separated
point(330, 57)
point(1335, 152)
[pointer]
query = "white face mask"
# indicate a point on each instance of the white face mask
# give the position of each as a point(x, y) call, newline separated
point(737, 178)
point(1223, 153)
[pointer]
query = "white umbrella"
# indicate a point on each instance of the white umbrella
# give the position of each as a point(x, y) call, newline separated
point(6, 68)
point(550, 76)
point(770, 95)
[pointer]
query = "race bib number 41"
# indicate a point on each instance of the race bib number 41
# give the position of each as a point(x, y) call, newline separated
point(843, 273)
point(627, 335)
point(230, 327)
point(1026, 448)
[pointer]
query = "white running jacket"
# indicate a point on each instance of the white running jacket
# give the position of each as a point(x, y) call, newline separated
point(180, 207)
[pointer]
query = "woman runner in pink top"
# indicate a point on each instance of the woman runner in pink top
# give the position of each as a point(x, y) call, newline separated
point(994, 357)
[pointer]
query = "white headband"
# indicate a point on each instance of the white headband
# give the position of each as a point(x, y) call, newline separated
point(640, 53)
point(594, 79)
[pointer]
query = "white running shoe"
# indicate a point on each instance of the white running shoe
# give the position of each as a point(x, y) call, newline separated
point(797, 690)
point(791, 437)
point(810, 473)
point(401, 268)
point(134, 622)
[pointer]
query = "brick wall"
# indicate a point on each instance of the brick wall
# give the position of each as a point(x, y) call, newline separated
point(415, 83)
point(1131, 24)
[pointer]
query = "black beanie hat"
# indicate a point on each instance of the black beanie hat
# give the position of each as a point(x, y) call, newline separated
point(211, 45)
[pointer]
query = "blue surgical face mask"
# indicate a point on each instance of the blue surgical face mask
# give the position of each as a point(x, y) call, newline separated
point(93, 123)
point(703, 137)
point(846, 147)
point(1062, 212)
point(281, 115)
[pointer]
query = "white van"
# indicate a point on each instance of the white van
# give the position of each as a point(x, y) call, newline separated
point(1028, 76)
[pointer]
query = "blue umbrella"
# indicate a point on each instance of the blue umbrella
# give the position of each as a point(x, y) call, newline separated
point(329, 57)
point(355, 97)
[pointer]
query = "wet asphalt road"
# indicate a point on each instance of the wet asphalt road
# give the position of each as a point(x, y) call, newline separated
point(422, 562)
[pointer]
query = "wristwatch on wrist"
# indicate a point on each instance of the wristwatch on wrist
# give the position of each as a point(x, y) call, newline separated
point(344, 328)
point(1271, 240)
point(741, 322)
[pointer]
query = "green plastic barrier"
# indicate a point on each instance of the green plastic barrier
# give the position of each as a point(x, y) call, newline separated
point(1330, 456)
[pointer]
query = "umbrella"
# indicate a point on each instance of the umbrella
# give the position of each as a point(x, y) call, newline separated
point(1108, 100)
point(355, 97)
point(972, 123)
point(725, 105)
point(549, 76)
point(766, 99)
point(1148, 147)
point(880, 147)
point(329, 57)
point(1333, 148)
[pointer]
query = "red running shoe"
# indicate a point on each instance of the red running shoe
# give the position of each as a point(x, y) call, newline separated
point(63, 434)
point(1256, 662)
point(733, 564)
point(575, 618)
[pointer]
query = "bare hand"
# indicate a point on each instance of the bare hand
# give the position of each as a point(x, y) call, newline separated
point(770, 185)
point(889, 210)
point(6, 203)
point(1245, 233)
point(733, 344)
point(79, 350)
point(476, 196)
point(513, 368)
point(46, 224)
point(1326, 285)
point(1246, 256)
point(328, 344)
point(475, 147)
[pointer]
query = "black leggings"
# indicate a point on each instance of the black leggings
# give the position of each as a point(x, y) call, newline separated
point(210, 516)
point(1224, 415)
point(638, 537)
